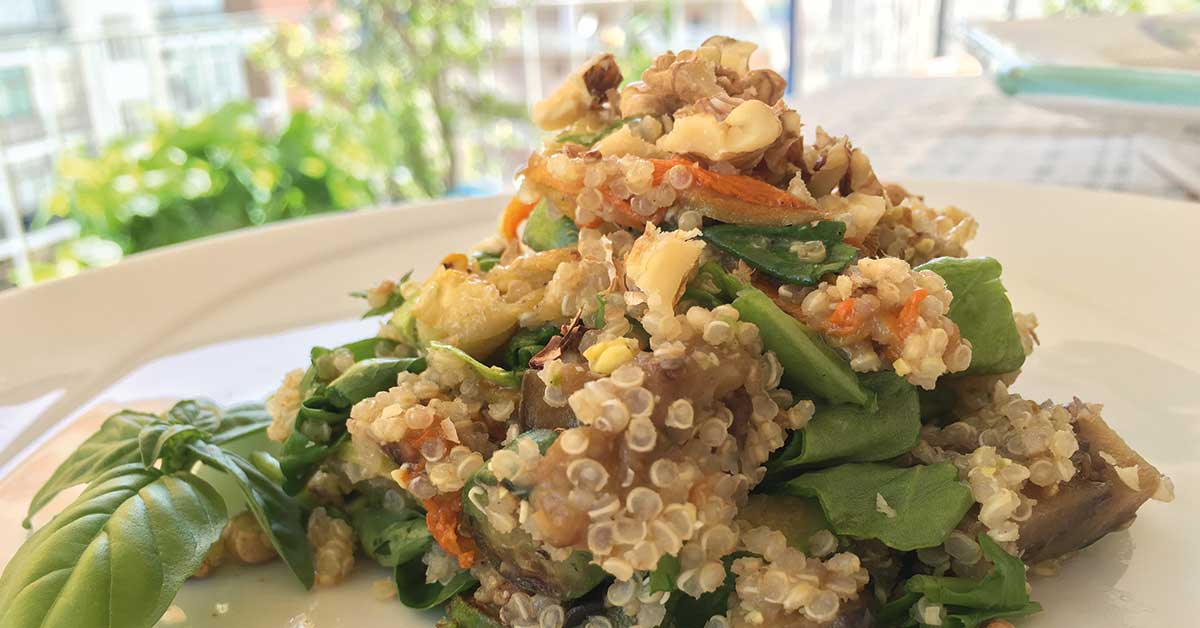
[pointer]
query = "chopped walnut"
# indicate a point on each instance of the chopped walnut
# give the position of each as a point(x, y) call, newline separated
point(246, 541)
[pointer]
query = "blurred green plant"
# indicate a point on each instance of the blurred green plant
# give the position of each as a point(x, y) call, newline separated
point(222, 172)
point(1100, 7)
point(414, 62)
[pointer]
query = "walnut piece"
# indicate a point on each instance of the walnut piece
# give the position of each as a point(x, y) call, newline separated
point(585, 89)
point(750, 127)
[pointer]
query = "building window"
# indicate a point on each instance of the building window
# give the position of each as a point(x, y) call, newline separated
point(16, 101)
point(135, 117)
point(123, 42)
point(31, 181)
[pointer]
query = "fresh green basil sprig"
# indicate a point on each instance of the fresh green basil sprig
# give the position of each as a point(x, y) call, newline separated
point(144, 516)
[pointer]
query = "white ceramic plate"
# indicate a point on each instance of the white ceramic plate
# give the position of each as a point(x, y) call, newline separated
point(1109, 276)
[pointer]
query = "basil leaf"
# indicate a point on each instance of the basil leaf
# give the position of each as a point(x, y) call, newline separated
point(769, 249)
point(116, 556)
point(809, 365)
point(414, 592)
point(928, 500)
point(525, 344)
point(166, 441)
point(982, 311)
point(665, 574)
point(846, 432)
point(201, 413)
point(493, 374)
point(114, 444)
point(239, 421)
point(391, 538)
point(301, 457)
point(278, 515)
point(547, 229)
point(969, 603)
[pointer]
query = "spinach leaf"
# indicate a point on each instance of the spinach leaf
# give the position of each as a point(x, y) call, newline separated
point(364, 379)
point(809, 365)
point(394, 300)
point(487, 261)
point(414, 592)
point(391, 537)
point(685, 611)
point(982, 311)
point(665, 574)
point(969, 603)
point(278, 515)
point(588, 139)
point(525, 344)
point(847, 432)
point(493, 374)
point(547, 229)
point(116, 556)
point(769, 249)
point(928, 501)
point(114, 444)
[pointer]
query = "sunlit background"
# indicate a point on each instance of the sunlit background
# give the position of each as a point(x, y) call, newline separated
point(131, 124)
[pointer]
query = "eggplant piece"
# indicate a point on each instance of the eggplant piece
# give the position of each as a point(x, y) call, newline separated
point(1094, 503)
point(796, 517)
point(535, 414)
point(517, 556)
point(464, 612)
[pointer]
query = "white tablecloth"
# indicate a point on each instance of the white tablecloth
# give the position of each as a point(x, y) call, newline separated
point(965, 128)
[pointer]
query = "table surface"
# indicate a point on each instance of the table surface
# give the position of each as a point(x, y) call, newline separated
point(964, 128)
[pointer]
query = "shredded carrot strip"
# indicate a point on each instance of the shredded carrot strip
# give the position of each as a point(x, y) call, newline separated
point(741, 187)
point(843, 322)
point(442, 516)
point(909, 313)
point(514, 214)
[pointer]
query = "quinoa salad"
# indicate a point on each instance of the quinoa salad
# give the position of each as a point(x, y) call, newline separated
point(711, 371)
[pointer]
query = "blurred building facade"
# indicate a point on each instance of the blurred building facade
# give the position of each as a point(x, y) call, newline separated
point(79, 73)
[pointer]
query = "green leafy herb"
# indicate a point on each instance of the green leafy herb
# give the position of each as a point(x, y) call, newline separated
point(598, 318)
point(769, 248)
point(394, 300)
point(391, 537)
point(809, 365)
point(300, 459)
point(487, 261)
point(201, 413)
point(969, 603)
point(928, 500)
point(166, 441)
point(114, 444)
point(665, 574)
point(525, 344)
point(588, 139)
point(279, 515)
point(117, 555)
point(239, 421)
point(366, 378)
point(547, 229)
point(700, 297)
point(463, 612)
point(493, 374)
point(688, 612)
point(414, 592)
point(982, 311)
point(847, 432)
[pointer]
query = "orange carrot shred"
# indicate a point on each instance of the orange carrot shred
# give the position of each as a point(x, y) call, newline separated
point(842, 321)
point(909, 313)
point(741, 187)
point(514, 214)
point(442, 516)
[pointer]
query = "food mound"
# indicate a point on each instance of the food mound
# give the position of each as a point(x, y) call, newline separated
point(706, 375)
